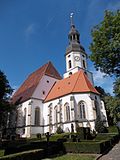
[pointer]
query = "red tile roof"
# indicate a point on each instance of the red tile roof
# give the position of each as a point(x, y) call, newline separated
point(28, 87)
point(76, 83)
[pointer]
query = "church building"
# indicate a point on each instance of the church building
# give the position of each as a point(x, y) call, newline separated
point(46, 101)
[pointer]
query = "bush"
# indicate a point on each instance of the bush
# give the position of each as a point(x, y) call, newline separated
point(55, 137)
point(38, 135)
point(27, 155)
point(112, 129)
point(59, 130)
point(99, 126)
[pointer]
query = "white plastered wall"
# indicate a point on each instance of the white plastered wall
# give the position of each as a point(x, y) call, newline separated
point(44, 85)
point(89, 122)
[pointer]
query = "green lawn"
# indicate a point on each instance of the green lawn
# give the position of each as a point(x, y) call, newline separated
point(75, 157)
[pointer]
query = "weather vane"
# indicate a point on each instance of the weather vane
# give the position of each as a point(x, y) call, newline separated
point(71, 18)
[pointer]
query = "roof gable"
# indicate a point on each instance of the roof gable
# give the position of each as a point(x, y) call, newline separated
point(28, 87)
point(76, 83)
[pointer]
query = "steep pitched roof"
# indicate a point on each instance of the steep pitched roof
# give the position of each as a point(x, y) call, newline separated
point(76, 83)
point(28, 87)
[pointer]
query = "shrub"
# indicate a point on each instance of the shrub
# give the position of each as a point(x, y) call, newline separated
point(38, 135)
point(27, 155)
point(99, 126)
point(59, 130)
point(55, 137)
point(112, 129)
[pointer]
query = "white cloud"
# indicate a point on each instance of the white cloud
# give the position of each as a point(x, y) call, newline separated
point(30, 30)
point(105, 82)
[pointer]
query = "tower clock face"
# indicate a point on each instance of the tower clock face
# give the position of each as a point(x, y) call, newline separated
point(77, 58)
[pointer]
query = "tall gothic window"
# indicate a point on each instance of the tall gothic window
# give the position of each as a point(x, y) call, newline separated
point(69, 64)
point(50, 113)
point(96, 106)
point(24, 117)
point(56, 114)
point(50, 118)
point(37, 116)
point(67, 112)
point(82, 110)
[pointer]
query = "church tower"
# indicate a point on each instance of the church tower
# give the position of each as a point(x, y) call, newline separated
point(76, 57)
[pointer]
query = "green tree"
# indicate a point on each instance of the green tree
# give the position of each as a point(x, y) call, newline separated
point(112, 104)
point(116, 87)
point(99, 126)
point(5, 106)
point(112, 107)
point(105, 46)
point(5, 88)
point(102, 92)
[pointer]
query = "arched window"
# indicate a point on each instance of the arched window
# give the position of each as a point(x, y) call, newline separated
point(69, 64)
point(50, 113)
point(67, 112)
point(37, 116)
point(56, 114)
point(24, 117)
point(96, 107)
point(82, 110)
point(74, 37)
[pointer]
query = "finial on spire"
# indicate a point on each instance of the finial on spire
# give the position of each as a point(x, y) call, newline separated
point(71, 18)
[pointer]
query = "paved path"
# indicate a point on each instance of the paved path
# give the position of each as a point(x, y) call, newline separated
point(114, 154)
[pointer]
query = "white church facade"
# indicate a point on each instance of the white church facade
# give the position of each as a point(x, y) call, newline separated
point(46, 101)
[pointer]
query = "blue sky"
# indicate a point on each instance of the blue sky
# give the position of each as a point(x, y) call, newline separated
point(33, 32)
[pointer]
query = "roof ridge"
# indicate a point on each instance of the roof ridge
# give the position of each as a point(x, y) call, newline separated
point(86, 78)
point(88, 81)
point(50, 90)
point(43, 73)
point(45, 65)
point(53, 73)
point(76, 81)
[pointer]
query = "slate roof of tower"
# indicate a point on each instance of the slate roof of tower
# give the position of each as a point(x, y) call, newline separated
point(28, 87)
point(76, 83)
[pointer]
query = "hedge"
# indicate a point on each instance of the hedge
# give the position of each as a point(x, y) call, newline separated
point(28, 155)
point(87, 147)
point(50, 148)
point(25, 147)
point(9, 143)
